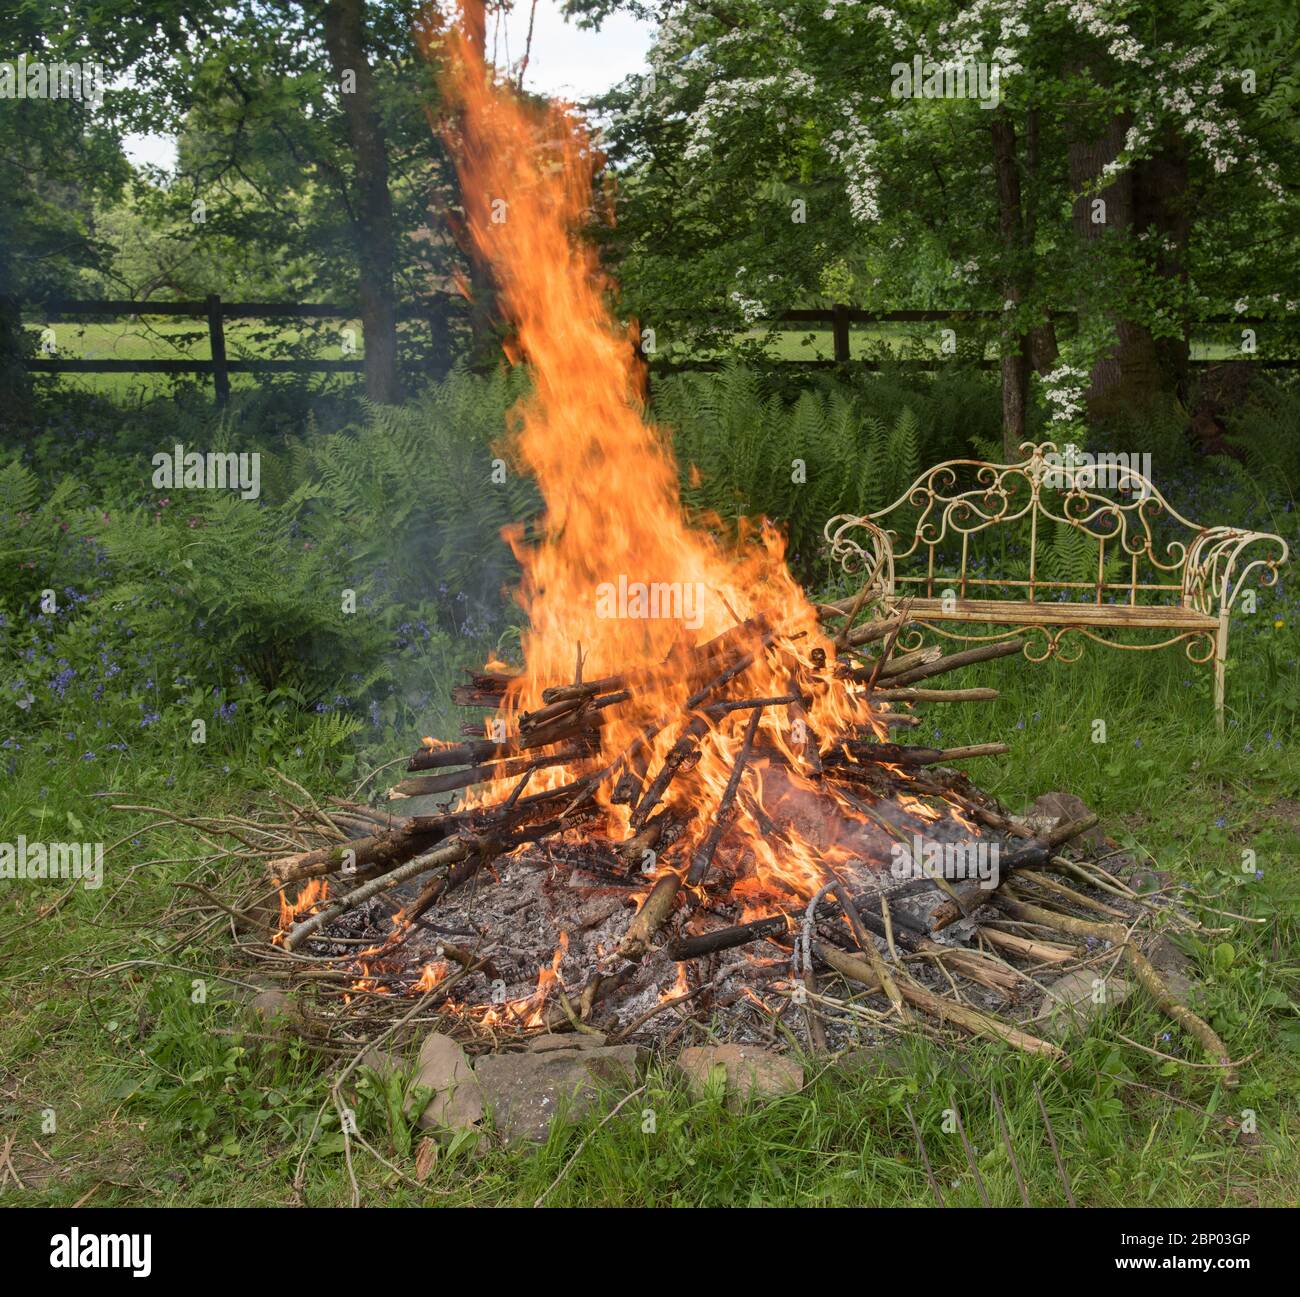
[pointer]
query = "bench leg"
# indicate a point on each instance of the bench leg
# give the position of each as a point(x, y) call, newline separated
point(1220, 661)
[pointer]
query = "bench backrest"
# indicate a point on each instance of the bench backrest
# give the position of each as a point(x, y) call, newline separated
point(1056, 526)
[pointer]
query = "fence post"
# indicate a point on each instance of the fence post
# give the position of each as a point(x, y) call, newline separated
point(217, 347)
point(840, 332)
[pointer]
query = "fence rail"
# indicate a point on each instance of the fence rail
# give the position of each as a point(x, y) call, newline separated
point(839, 318)
point(215, 312)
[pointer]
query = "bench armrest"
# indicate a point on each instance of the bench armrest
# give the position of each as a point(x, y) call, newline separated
point(1211, 582)
point(858, 545)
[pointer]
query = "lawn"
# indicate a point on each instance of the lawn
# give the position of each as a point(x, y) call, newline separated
point(131, 1067)
point(118, 1085)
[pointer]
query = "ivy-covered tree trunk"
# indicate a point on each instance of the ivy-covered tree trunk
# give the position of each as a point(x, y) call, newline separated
point(1161, 206)
point(372, 208)
point(1011, 234)
point(1145, 197)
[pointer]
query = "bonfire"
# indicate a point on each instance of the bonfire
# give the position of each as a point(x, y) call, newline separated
point(688, 798)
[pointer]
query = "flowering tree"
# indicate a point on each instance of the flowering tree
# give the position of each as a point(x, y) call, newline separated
point(1132, 162)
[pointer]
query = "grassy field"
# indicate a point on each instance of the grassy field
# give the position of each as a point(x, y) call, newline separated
point(169, 338)
point(165, 338)
point(118, 1088)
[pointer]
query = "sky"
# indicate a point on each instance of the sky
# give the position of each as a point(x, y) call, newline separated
point(566, 62)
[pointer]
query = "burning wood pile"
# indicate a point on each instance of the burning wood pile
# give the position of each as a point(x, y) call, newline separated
point(689, 803)
point(727, 853)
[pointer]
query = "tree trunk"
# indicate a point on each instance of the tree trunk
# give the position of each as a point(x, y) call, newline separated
point(1011, 233)
point(1128, 375)
point(372, 216)
point(1160, 205)
point(1043, 351)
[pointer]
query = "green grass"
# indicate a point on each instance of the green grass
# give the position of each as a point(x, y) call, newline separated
point(116, 1082)
point(925, 341)
point(169, 338)
point(161, 1100)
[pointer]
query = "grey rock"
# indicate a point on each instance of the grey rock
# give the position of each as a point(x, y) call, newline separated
point(1070, 1003)
point(748, 1071)
point(1051, 809)
point(384, 1063)
point(565, 1040)
point(1177, 970)
point(527, 1092)
point(273, 1005)
point(457, 1101)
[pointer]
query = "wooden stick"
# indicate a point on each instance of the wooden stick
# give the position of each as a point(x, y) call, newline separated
point(1035, 852)
point(378, 851)
point(907, 755)
point(1040, 879)
point(708, 943)
point(680, 754)
point(956, 660)
point(651, 916)
point(979, 1024)
point(907, 695)
point(1045, 952)
point(447, 853)
point(1155, 986)
point(658, 905)
point(897, 666)
point(1056, 1152)
point(485, 774)
point(703, 857)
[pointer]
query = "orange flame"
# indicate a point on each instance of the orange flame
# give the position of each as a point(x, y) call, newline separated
point(615, 566)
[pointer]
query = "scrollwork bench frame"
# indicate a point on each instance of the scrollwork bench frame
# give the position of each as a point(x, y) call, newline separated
point(1187, 587)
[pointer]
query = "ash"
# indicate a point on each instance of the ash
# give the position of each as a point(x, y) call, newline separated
point(564, 908)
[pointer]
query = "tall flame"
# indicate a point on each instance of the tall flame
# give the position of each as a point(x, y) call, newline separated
point(613, 512)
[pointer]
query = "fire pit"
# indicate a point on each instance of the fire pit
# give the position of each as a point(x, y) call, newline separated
point(714, 850)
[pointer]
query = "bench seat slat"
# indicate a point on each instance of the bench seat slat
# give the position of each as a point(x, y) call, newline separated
point(1053, 613)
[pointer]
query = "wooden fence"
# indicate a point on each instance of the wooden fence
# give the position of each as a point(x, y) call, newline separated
point(839, 319)
point(216, 313)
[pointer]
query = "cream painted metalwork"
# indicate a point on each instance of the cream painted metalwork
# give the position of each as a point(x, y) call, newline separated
point(1187, 587)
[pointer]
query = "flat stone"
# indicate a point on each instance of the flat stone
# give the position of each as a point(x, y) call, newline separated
point(384, 1062)
point(565, 1040)
point(526, 1092)
point(457, 1102)
point(881, 1060)
point(748, 1071)
point(272, 1004)
point(1070, 1006)
point(1051, 809)
point(1177, 970)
